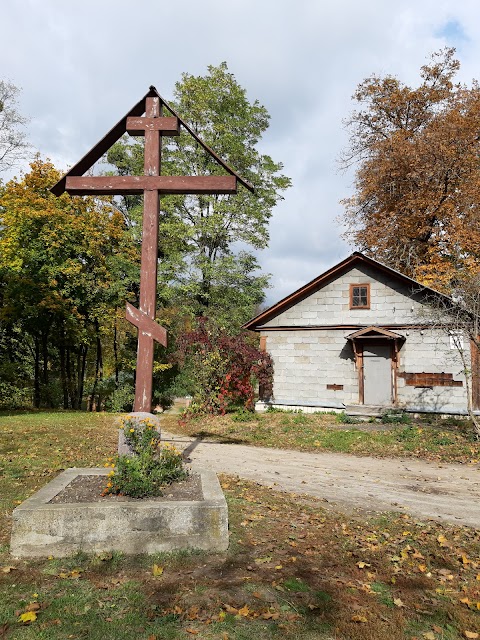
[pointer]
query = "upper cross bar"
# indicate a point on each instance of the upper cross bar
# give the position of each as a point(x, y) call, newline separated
point(116, 132)
point(166, 126)
point(129, 185)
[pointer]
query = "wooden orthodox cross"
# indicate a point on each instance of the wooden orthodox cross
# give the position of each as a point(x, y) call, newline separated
point(153, 125)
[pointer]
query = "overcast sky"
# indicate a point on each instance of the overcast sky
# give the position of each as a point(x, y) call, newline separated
point(83, 65)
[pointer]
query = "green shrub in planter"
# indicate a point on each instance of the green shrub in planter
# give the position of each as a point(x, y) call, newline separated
point(141, 435)
point(154, 466)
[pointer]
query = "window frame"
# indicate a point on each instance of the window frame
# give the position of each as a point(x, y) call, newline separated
point(362, 284)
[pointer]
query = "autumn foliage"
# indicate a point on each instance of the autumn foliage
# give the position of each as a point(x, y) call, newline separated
point(224, 368)
point(417, 189)
point(61, 277)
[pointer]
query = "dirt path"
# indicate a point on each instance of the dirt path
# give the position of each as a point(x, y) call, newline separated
point(449, 492)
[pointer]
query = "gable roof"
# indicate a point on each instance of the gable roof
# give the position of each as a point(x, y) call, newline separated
point(317, 283)
point(117, 131)
point(375, 332)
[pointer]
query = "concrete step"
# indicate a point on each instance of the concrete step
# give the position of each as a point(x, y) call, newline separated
point(363, 410)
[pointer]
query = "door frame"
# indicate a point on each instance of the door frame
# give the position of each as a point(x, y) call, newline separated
point(359, 360)
point(383, 336)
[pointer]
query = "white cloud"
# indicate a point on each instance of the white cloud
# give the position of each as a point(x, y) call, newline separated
point(83, 65)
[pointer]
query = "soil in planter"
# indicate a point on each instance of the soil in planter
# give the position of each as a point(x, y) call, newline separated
point(89, 489)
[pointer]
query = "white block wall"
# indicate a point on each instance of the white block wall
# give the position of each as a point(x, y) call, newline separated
point(390, 303)
point(430, 351)
point(306, 361)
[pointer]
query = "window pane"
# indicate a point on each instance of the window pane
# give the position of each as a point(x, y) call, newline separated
point(359, 296)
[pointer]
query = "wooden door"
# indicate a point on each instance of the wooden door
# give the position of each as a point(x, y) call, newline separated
point(377, 374)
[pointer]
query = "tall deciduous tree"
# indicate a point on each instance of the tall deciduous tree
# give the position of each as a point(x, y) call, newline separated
point(58, 258)
point(200, 236)
point(416, 204)
point(13, 143)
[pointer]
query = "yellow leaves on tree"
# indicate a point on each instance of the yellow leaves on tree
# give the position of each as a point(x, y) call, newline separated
point(417, 200)
point(52, 249)
point(65, 264)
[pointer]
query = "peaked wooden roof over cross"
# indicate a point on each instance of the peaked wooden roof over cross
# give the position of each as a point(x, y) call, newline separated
point(123, 126)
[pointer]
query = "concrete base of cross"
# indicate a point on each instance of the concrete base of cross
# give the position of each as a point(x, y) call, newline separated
point(123, 448)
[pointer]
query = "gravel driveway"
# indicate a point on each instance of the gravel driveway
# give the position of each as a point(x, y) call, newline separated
point(449, 492)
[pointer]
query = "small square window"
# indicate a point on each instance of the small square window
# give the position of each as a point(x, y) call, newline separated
point(456, 340)
point(359, 296)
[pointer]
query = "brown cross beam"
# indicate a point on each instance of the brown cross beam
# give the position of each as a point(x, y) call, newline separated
point(153, 126)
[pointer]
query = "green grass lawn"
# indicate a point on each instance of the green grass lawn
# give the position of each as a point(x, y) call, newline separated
point(446, 440)
point(293, 570)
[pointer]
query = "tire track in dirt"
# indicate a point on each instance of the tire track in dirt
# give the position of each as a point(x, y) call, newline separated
point(448, 492)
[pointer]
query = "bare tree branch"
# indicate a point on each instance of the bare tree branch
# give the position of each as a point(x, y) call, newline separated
point(459, 318)
point(13, 144)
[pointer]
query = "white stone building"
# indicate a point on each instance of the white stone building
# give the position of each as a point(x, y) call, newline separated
point(360, 334)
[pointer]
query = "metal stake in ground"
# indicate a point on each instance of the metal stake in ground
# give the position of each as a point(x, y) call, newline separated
point(153, 126)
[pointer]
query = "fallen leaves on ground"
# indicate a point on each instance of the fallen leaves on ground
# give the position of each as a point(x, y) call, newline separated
point(358, 618)
point(74, 574)
point(389, 570)
point(27, 617)
point(7, 569)
point(30, 613)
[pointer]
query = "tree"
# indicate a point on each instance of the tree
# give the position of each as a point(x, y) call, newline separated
point(459, 318)
point(200, 235)
point(417, 190)
point(15, 362)
point(223, 368)
point(13, 144)
point(61, 267)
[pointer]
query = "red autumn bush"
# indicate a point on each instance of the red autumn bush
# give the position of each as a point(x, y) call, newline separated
point(223, 368)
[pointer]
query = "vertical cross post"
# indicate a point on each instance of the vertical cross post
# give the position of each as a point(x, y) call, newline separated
point(148, 269)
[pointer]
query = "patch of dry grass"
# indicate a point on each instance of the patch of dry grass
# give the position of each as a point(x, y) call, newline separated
point(442, 440)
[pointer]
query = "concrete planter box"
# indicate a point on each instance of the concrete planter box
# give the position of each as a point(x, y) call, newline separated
point(141, 526)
